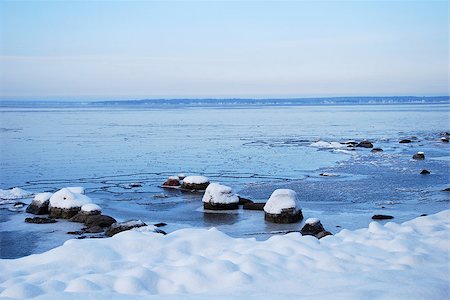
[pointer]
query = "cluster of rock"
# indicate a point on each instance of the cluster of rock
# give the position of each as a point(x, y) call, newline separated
point(71, 204)
point(187, 183)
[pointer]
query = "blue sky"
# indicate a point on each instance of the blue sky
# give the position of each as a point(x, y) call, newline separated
point(165, 49)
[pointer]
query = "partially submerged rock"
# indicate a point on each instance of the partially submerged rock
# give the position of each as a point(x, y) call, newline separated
point(365, 144)
point(65, 204)
point(405, 141)
point(444, 139)
point(195, 183)
point(172, 181)
point(39, 205)
point(419, 156)
point(315, 228)
point(376, 150)
point(382, 217)
point(243, 201)
point(425, 172)
point(219, 197)
point(124, 226)
point(254, 206)
point(283, 207)
point(40, 220)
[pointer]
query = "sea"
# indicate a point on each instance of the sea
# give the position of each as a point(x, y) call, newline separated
point(122, 151)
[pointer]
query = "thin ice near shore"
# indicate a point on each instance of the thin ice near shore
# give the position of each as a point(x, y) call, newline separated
point(377, 262)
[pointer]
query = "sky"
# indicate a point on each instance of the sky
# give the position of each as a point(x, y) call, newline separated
point(81, 50)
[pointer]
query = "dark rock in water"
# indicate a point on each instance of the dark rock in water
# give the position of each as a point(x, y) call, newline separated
point(286, 216)
point(135, 185)
point(445, 133)
point(220, 206)
point(312, 227)
point(254, 206)
point(100, 221)
point(405, 141)
point(243, 201)
point(425, 172)
point(444, 139)
point(159, 224)
point(350, 143)
point(172, 181)
point(63, 213)
point(382, 217)
point(124, 226)
point(419, 156)
point(365, 144)
point(38, 208)
point(323, 234)
point(376, 150)
point(446, 190)
point(39, 220)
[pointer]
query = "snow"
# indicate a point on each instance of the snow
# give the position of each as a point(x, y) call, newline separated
point(312, 221)
point(220, 194)
point(380, 261)
point(195, 179)
point(64, 198)
point(327, 145)
point(173, 178)
point(420, 152)
point(76, 189)
point(14, 193)
point(42, 197)
point(90, 207)
point(282, 199)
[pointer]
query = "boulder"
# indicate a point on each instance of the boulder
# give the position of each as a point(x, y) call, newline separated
point(219, 197)
point(102, 221)
point(39, 205)
point(446, 189)
point(243, 201)
point(444, 139)
point(405, 141)
point(40, 220)
point(376, 150)
point(365, 144)
point(283, 207)
point(419, 156)
point(382, 217)
point(425, 172)
point(315, 228)
point(124, 226)
point(254, 206)
point(65, 204)
point(195, 183)
point(172, 181)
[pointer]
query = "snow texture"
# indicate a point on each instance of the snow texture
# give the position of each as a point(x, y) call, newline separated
point(420, 152)
point(282, 199)
point(327, 145)
point(195, 179)
point(42, 197)
point(90, 207)
point(173, 178)
point(376, 262)
point(219, 194)
point(14, 193)
point(64, 198)
point(312, 221)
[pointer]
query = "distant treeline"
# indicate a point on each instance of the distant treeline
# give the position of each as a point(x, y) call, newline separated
point(235, 102)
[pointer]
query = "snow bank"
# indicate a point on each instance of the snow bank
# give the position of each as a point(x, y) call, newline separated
point(90, 207)
point(14, 193)
point(327, 145)
point(221, 194)
point(377, 262)
point(195, 179)
point(42, 197)
point(64, 198)
point(282, 199)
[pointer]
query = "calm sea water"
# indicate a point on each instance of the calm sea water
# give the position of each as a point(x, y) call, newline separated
point(252, 149)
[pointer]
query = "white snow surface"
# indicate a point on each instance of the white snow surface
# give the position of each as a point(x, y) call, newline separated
point(90, 207)
point(76, 189)
point(420, 152)
point(195, 179)
point(391, 261)
point(327, 145)
point(312, 221)
point(64, 198)
point(282, 199)
point(14, 193)
point(42, 197)
point(219, 194)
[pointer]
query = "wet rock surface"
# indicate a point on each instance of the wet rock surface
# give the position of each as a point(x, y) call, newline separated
point(40, 220)
point(254, 206)
point(365, 144)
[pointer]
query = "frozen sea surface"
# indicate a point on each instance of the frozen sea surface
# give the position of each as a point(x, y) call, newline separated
point(252, 149)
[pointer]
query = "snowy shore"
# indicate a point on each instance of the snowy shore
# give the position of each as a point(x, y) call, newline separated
point(394, 261)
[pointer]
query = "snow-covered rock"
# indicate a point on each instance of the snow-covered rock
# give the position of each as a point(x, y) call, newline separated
point(315, 228)
point(172, 181)
point(195, 183)
point(283, 207)
point(7, 196)
point(419, 155)
point(374, 262)
point(91, 208)
point(39, 205)
point(220, 197)
point(66, 204)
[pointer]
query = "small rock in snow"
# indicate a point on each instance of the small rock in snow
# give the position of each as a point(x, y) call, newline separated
point(382, 217)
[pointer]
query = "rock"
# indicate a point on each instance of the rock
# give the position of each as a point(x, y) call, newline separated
point(376, 150)
point(446, 189)
point(172, 181)
point(325, 174)
point(39, 205)
point(243, 201)
point(66, 203)
point(254, 206)
point(425, 172)
point(405, 141)
point(135, 185)
point(19, 204)
point(219, 197)
point(159, 224)
point(93, 229)
point(91, 209)
point(195, 183)
point(102, 221)
point(312, 227)
point(444, 133)
point(283, 207)
point(424, 215)
point(323, 234)
point(350, 143)
point(365, 144)
point(181, 176)
point(444, 139)
point(157, 230)
point(39, 220)
point(382, 217)
point(419, 156)
point(63, 213)
point(123, 226)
